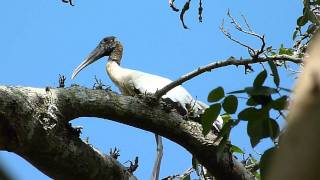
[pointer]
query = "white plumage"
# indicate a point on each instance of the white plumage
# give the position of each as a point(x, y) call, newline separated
point(130, 82)
point(133, 82)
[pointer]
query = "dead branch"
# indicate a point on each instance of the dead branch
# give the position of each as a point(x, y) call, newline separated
point(253, 53)
point(68, 1)
point(183, 11)
point(172, 5)
point(200, 9)
point(229, 36)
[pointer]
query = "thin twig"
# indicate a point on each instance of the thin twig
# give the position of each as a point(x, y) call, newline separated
point(200, 9)
point(180, 176)
point(238, 26)
point(224, 63)
point(246, 22)
point(228, 35)
point(250, 32)
point(186, 172)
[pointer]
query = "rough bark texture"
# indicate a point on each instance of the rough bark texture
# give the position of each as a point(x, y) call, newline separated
point(34, 125)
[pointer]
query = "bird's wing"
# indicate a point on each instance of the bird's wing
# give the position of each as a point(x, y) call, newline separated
point(148, 83)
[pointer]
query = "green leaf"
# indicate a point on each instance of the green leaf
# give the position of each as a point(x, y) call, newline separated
point(230, 104)
point(236, 149)
point(265, 162)
point(248, 114)
point(280, 103)
point(252, 102)
point(302, 20)
point(262, 99)
point(263, 90)
point(311, 17)
point(187, 177)
point(294, 35)
point(275, 73)
point(259, 80)
point(259, 100)
point(255, 91)
point(287, 51)
point(216, 94)
point(209, 116)
point(274, 129)
point(256, 131)
point(226, 128)
point(257, 175)
point(195, 165)
point(262, 128)
point(225, 118)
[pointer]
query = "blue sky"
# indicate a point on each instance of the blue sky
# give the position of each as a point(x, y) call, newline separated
point(41, 39)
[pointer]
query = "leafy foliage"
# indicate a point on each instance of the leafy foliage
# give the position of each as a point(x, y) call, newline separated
point(209, 116)
point(230, 104)
point(259, 80)
point(307, 25)
point(261, 102)
point(275, 74)
point(265, 161)
point(216, 94)
point(236, 149)
point(265, 103)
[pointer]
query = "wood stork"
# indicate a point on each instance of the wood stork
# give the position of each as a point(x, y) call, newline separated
point(132, 82)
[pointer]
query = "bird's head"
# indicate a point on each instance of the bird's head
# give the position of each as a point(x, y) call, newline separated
point(108, 46)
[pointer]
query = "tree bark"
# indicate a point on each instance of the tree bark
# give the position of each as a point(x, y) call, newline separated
point(34, 124)
point(298, 155)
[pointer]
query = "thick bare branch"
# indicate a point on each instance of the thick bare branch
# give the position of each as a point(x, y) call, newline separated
point(32, 126)
point(51, 147)
point(223, 63)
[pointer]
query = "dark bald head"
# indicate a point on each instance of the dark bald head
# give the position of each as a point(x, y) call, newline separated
point(108, 46)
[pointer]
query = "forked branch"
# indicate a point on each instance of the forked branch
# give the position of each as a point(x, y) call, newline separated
point(254, 54)
point(224, 63)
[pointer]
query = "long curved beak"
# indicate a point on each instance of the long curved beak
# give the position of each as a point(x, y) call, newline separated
point(96, 54)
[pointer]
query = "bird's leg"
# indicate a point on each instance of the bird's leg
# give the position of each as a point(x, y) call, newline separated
point(157, 164)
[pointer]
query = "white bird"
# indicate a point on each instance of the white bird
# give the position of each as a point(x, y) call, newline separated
point(132, 82)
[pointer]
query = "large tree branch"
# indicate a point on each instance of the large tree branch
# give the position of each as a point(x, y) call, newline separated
point(33, 124)
point(223, 63)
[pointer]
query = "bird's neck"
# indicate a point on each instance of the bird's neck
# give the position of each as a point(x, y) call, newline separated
point(116, 54)
point(116, 73)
